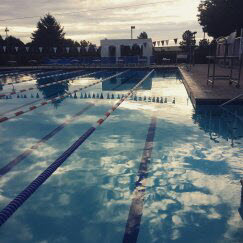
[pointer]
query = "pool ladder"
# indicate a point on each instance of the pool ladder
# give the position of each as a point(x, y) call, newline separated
point(230, 101)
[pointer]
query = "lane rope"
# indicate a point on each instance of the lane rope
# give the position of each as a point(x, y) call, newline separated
point(24, 81)
point(20, 73)
point(5, 169)
point(26, 104)
point(49, 101)
point(6, 213)
point(45, 85)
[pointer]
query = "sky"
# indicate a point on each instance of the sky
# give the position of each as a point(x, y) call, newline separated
point(163, 20)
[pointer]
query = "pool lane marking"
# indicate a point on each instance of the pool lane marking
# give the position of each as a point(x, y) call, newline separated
point(17, 108)
point(26, 104)
point(39, 78)
point(136, 208)
point(29, 103)
point(49, 101)
point(6, 212)
point(24, 81)
point(20, 73)
point(45, 85)
point(5, 169)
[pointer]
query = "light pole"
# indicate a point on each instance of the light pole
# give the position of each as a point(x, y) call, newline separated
point(132, 28)
point(6, 31)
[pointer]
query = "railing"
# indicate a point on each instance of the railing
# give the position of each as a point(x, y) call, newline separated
point(230, 101)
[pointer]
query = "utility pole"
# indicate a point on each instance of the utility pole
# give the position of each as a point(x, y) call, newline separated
point(6, 31)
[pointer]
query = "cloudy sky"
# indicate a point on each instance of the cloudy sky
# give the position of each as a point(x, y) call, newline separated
point(84, 19)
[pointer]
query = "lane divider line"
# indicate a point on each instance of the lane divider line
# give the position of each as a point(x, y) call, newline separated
point(45, 85)
point(5, 169)
point(24, 81)
point(26, 104)
point(49, 101)
point(136, 208)
point(6, 213)
point(21, 73)
point(17, 108)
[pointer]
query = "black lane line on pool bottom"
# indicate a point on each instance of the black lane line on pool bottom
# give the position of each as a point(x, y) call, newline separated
point(136, 208)
point(27, 152)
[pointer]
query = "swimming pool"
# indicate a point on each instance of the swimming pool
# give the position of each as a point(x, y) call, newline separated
point(156, 170)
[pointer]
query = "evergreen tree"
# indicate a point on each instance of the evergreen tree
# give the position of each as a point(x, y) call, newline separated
point(143, 35)
point(49, 33)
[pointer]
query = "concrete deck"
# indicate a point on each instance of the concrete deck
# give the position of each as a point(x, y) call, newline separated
point(200, 93)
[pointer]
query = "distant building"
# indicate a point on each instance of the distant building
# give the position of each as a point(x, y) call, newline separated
point(117, 48)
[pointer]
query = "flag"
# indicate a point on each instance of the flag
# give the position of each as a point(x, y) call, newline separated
point(67, 49)
point(158, 43)
point(16, 48)
point(175, 40)
point(55, 49)
point(87, 48)
point(154, 43)
point(27, 48)
point(40, 49)
point(167, 42)
point(4, 48)
point(162, 42)
point(78, 48)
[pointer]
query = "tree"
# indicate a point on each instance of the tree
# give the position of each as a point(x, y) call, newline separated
point(204, 44)
point(143, 35)
point(70, 43)
point(85, 43)
point(188, 40)
point(49, 33)
point(12, 41)
point(220, 17)
point(1, 40)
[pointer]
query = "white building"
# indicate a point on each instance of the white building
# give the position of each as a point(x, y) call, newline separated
point(141, 48)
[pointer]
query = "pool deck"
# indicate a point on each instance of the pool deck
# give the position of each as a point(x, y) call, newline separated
point(200, 93)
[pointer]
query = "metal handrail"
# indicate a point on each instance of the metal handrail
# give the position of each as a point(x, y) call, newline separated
point(230, 101)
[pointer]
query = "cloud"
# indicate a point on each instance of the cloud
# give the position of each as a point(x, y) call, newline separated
point(165, 20)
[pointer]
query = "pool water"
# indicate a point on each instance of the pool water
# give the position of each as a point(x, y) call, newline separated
point(190, 191)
